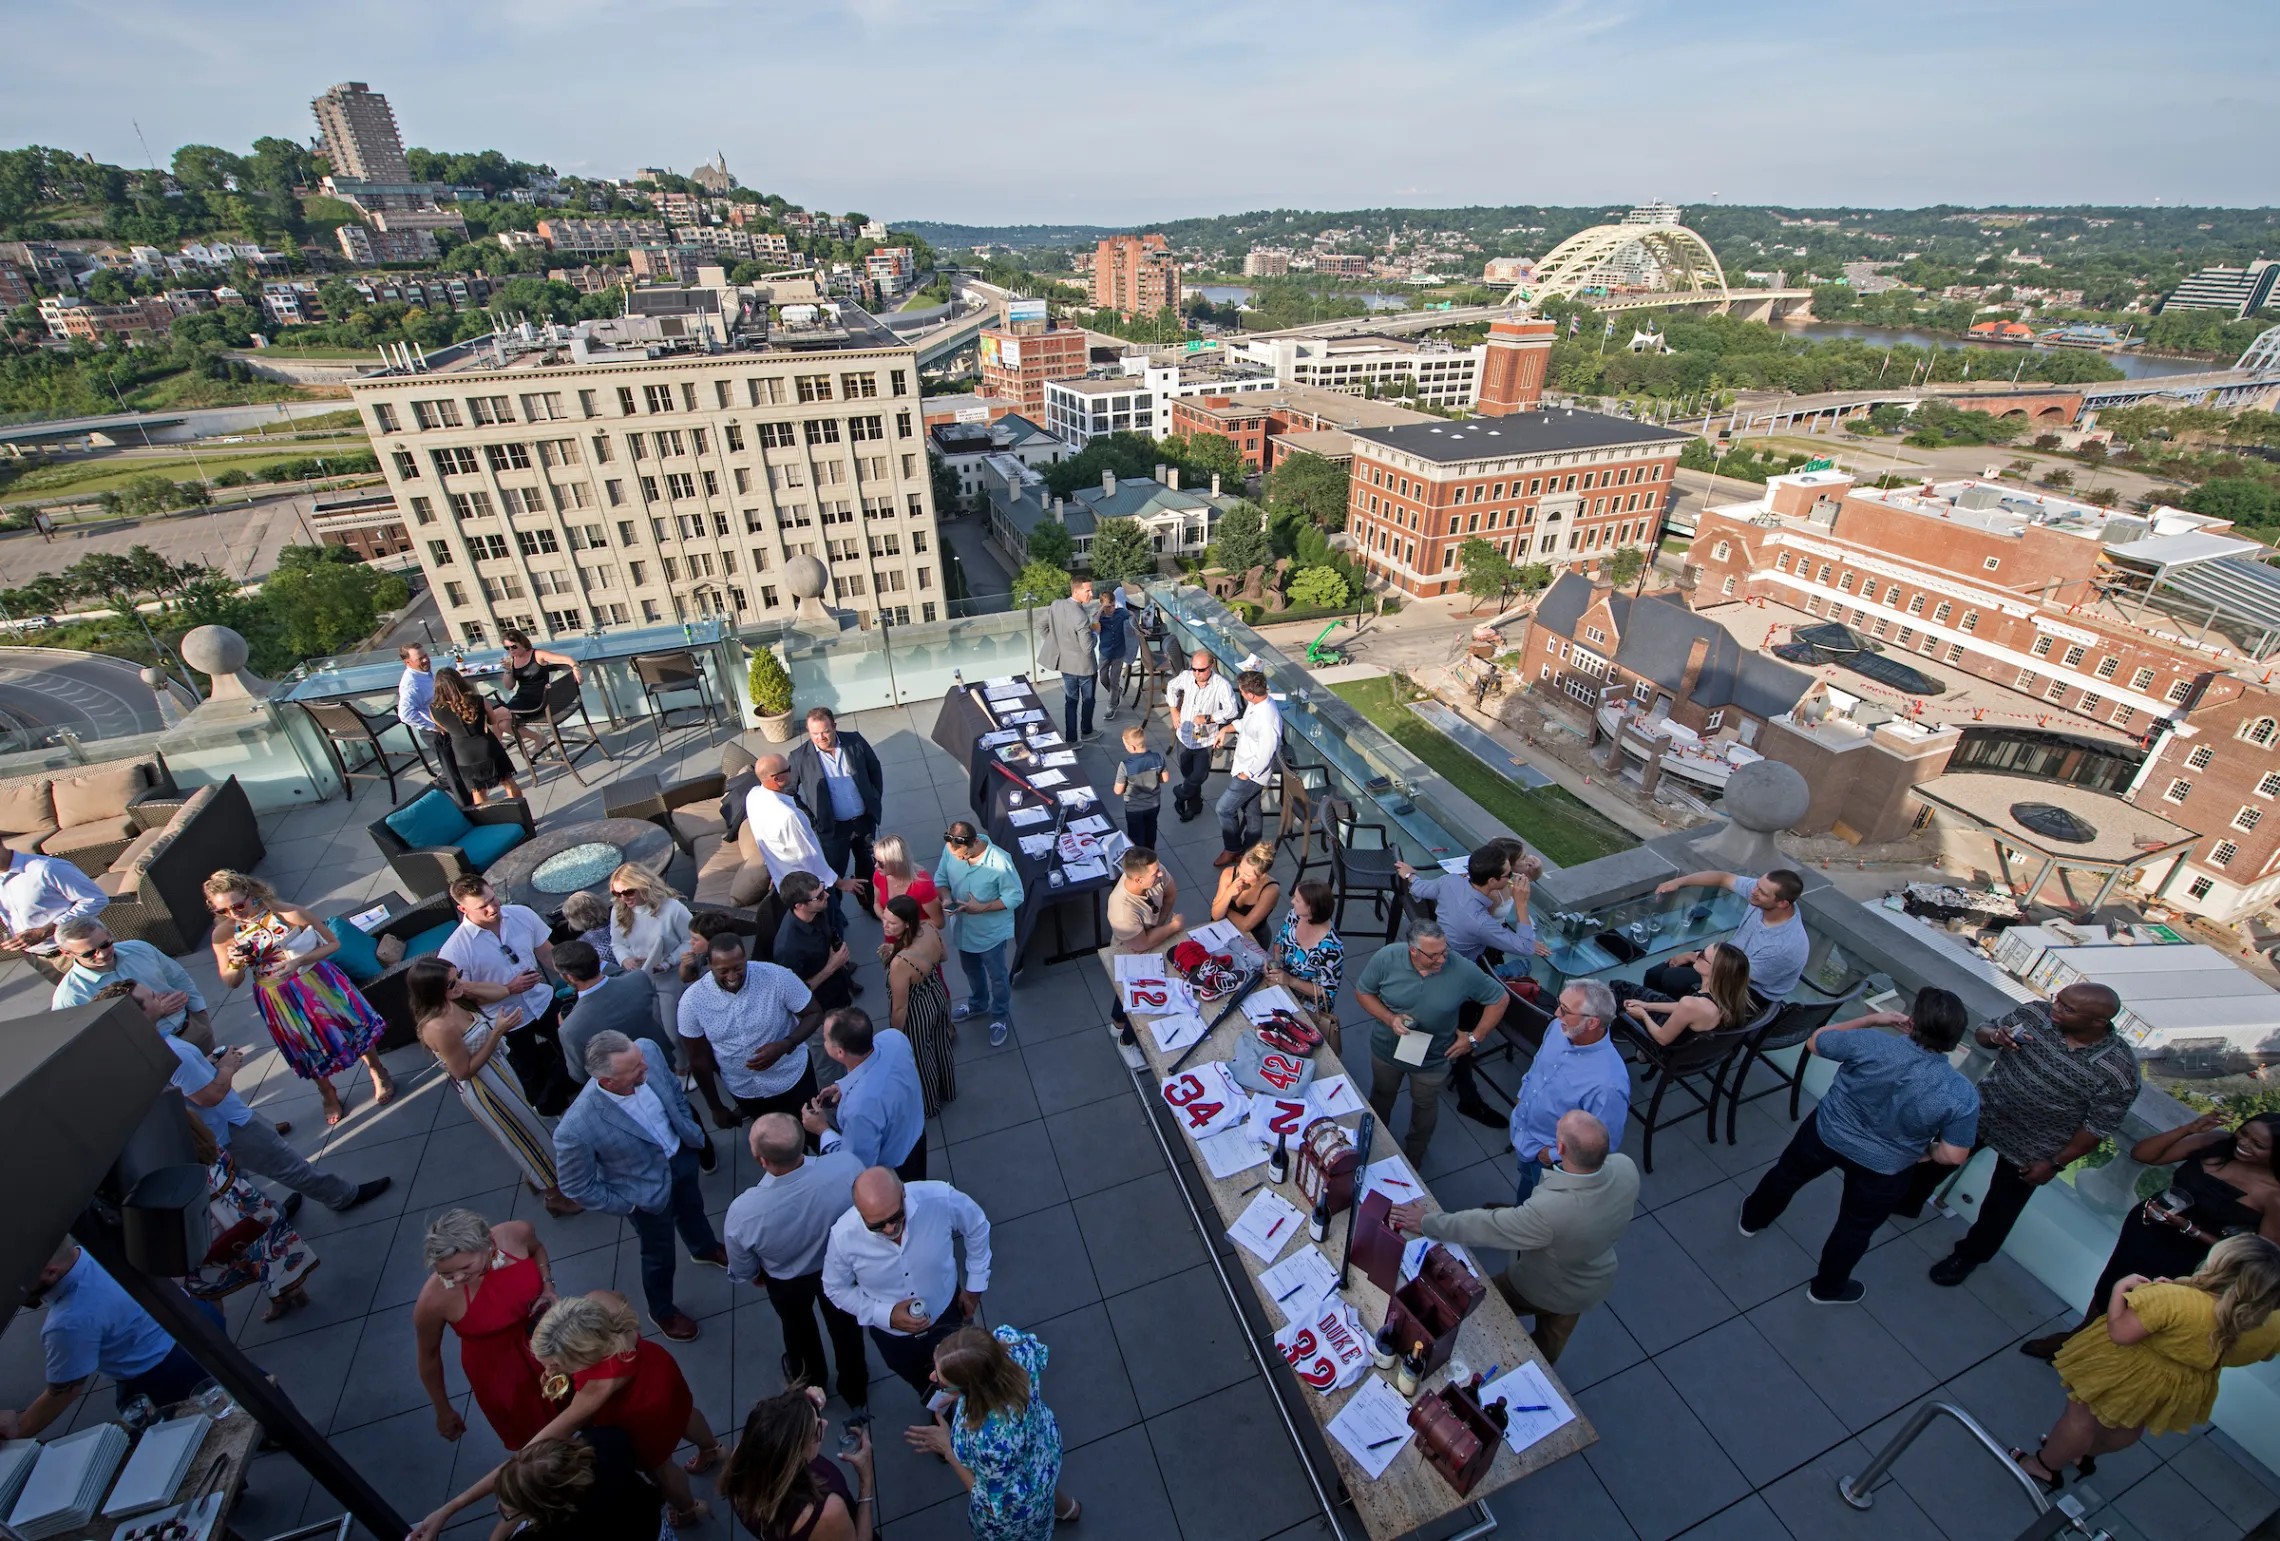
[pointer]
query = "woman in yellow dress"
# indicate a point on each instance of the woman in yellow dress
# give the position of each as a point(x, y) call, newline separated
point(2151, 1365)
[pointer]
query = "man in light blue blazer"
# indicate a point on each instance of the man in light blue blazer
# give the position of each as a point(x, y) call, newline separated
point(628, 1146)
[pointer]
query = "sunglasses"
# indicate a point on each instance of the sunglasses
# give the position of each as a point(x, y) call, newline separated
point(892, 1222)
point(512, 955)
point(625, 893)
point(957, 840)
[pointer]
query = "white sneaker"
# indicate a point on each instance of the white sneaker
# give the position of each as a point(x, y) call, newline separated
point(998, 1030)
point(961, 1011)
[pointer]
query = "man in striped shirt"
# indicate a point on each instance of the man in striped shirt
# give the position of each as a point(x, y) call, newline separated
point(2061, 1080)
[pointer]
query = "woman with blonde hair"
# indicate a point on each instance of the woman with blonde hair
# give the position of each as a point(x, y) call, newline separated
point(455, 1017)
point(1248, 894)
point(487, 1283)
point(2152, 1365)
point(1723, 1001)
point(603, 1373)
point(320, 1023)
point(895, 873)
point(649, 931)
point(1000, 1437)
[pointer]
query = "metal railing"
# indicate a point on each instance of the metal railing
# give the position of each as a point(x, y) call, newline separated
point(2065, 1517)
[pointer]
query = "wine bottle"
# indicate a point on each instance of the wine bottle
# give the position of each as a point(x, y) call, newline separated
point(1278, 1164)
point(1318, 1223)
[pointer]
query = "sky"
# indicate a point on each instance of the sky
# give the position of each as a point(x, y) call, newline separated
point(1022, 111)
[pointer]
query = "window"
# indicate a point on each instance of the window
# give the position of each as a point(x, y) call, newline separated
point(2179, 790)
point(1970, 620)
point(1992, 563)
point(1941, 614)
point(2179, 690)
point(558, 452)
point(587, 406)
point(407, 468)
point(2223, 855)
point(455, 594)
point(862, 430)
point(1868, 590)
point(689, 394)
point(669, 442)
point(2042, 646)
point(2270, 785)
point(574, 495)
point(625, 400)
point(896, 386)
point(455, 462)
point(1714, 720)
point(2057, 689)
point(2025, 681)
point(2089, 702)
point(672, 570)
point(423, 511)
point(472, 631)
point(486, 410)
point(2107, 666)
point(1955, 652)
point(2142, 680)
point(471, 505)
point(436, 414)
point(2123, 712)
point(649, 489)
point(812, 387)
point(902, 431)
point(522, 500)
point(2260, 731)
point(637, 445)
point(649, 611)
point(1845, 584)
point(1916, 605)
point(660, 398)
point(858, 387)
point(1781, 563)
point(680, 484)
point(1727, 589)
point(2199, 759)
point(439, 553)
point(2198, 888)
point(775, 435)
point(823, 430)
point(383, 417)
point(488, 548)
point(536, 542)
point(2247, 819)
point(543, 408)
point(2073, 656)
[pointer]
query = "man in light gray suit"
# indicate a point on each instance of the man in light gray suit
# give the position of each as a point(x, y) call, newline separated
point(628, 1146)
point(1067, 643)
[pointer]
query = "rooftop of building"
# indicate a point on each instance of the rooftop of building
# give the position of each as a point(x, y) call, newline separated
point(667, 322)
point(1334, 407)
point(1100, 383)
point(1655, 637)
point(1520, 433)
point(1022, 494)
point(1008, 434)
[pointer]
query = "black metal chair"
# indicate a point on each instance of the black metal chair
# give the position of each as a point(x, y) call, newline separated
point(1360, 871)
point(1788, 1028)
point(564, 702)
point(342, 722)
point(673, 674)
point(1696, 1057)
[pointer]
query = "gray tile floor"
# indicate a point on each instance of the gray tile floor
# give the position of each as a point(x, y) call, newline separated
point(1726, 1406)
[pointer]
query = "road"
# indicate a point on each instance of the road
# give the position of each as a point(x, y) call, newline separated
point(244, 540)
point(1423, 633)
point(988, 584)
point(43, 689)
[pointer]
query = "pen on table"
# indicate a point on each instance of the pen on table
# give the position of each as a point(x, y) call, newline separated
point(1294, 1289)
point(1391, 1439)
point(1278, 1225)
point(1533, 1407)
point(1395, 1182)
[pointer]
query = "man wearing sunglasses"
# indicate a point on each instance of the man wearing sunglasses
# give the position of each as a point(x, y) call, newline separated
point(890, 1265)
point(38, 892)
point(981, 886)
point(1200, 702)
point(508, 944)
point(98, 959)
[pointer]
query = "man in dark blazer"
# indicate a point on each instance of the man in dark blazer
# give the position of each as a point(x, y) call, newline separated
point(619, 1003)
point(837, 779)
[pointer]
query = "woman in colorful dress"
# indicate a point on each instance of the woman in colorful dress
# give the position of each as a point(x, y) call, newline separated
point(489, 1284)
point(1309, 960)
point(920, 997)
point(781, 1484)
point(252, 1241)
point(1001, 1439)
point(2151, 1364)
point(318, 1020)
point(895, 873)
point(649, 931)
point(601, 1372)
point(455, 1018)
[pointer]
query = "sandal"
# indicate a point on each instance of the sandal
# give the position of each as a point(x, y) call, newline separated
point(282, 1306)
point(383, 1089)
point(1076, 1513)
point(704, 1459)
point(2051, 1481)
point(334, 1112)
point(693, 1515)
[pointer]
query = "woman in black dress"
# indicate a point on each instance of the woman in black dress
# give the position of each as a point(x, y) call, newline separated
point(475, 748)
point(2228, 1181)
point(522, 692)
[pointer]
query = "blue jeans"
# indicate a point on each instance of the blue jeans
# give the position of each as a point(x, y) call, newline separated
point(1531, 1173)
point(1076, 689)
point(1235, 805)
point(989, 987)
point(1511, 968)
point(687, 1214)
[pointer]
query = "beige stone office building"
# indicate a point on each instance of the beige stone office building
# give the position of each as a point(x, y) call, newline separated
point(662, 466)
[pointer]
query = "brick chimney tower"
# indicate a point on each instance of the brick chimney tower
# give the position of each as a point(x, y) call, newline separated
point(1519, 355)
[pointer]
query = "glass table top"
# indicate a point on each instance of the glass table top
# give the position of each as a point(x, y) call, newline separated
point(582, 866)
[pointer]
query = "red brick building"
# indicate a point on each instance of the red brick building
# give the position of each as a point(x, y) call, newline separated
point(1019, 357)
point(1135, 274)
point(1519, 354)
point(1565, 488)
point(1251, 422)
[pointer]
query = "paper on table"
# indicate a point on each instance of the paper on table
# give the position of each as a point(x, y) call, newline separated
point(1218, 936)
point(1023, 817)
point(1090, 824)
point(1084, 871)
point(1076, 797)
point(1373, 1426)
point(1036, 845)
point(1050, 778)
point(1528, 1387)
point(1412, 1047)
point(1002, 736)
point(1231, 1151)
point(1176, 1031)
point(1061, 757)
point(1264, 1229)
point(1265, 1001)
point(1299, 1280)
point(1031, 715)
point(1137, 966)
point(1333, 1097)
point(1043, 738)
point(999, 682)
point(1393, 1178)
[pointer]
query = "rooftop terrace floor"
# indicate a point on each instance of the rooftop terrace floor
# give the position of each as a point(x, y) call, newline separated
point(1726, 1405)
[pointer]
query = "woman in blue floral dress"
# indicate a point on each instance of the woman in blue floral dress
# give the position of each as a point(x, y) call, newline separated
point(1309, 960)
point(1000, 1438)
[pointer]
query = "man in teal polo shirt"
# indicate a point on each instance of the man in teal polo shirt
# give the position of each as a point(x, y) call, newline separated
point(980, 886)
point(1420, 989)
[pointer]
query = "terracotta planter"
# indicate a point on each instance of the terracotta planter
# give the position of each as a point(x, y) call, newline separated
point(777, 729)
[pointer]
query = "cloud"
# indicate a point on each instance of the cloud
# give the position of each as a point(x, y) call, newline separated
point(999, 111)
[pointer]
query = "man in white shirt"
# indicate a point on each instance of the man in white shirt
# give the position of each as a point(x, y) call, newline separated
point(35, 893)
point(778, 1230)
point(415, 709)
point(890, 1265)
point(781, 828)
point(1256, 739)
point(1200, 703)
point(506, 944)
point(742, 1022)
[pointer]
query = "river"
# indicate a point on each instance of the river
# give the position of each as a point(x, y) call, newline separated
point(2132, 366)
point(1221, 294)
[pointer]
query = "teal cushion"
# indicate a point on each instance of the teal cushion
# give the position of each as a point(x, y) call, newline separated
point(357, 957)
point(484, 844)
point(430, 940)
point(434, 820)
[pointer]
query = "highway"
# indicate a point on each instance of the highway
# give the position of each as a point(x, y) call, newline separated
point(167, 427)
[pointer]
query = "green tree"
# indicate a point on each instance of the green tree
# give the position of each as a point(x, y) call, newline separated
point(1240, 543)
point(1051, 544)
point(1534, 578)
point(2241, 499)
point(1697, 455)
point(1122, 550)
point(948, 496)
point(322, 598)
point(1321, 588)
point(1488, 573)
point(1312, 487)
point(1039, 584)
point(1623, 564)
point(1201, 456)
point(1125, 453)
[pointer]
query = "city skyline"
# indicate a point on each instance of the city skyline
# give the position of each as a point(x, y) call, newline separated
point(1554, 103)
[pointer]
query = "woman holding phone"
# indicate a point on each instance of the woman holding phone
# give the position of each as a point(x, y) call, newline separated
point(453, 1017)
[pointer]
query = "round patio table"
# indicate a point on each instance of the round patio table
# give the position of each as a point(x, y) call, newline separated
point(550, 867)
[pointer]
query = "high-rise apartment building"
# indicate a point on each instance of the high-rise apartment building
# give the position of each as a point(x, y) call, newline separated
point(1135, 274)
point(360, 137)
point(663, 465)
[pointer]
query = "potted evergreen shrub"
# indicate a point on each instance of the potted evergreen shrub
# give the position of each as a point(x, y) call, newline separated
point(771, 691)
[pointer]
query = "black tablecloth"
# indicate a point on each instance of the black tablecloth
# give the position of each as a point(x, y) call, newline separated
point(964, 718)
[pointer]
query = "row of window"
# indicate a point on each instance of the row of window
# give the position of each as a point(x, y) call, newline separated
point(1485, 492)
point(551, 406)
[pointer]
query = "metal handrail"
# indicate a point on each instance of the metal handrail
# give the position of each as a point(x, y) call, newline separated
point(1858, 1491)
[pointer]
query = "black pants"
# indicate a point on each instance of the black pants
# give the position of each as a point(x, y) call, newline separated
point(847, 846)
point(2007, 1194)
point(1140, 825)
point(1195, 769)
point(1870, 1197)
point(447, 768)
point(796, 1302)
point(1673, 980)
point(911, 1358)
point(684, 1213)
point(792, 1102)
point(534, 1052)
point(913, 1168)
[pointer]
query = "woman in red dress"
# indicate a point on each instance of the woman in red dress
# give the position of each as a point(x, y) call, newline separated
point(489, 1283)
point(600, 1371)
